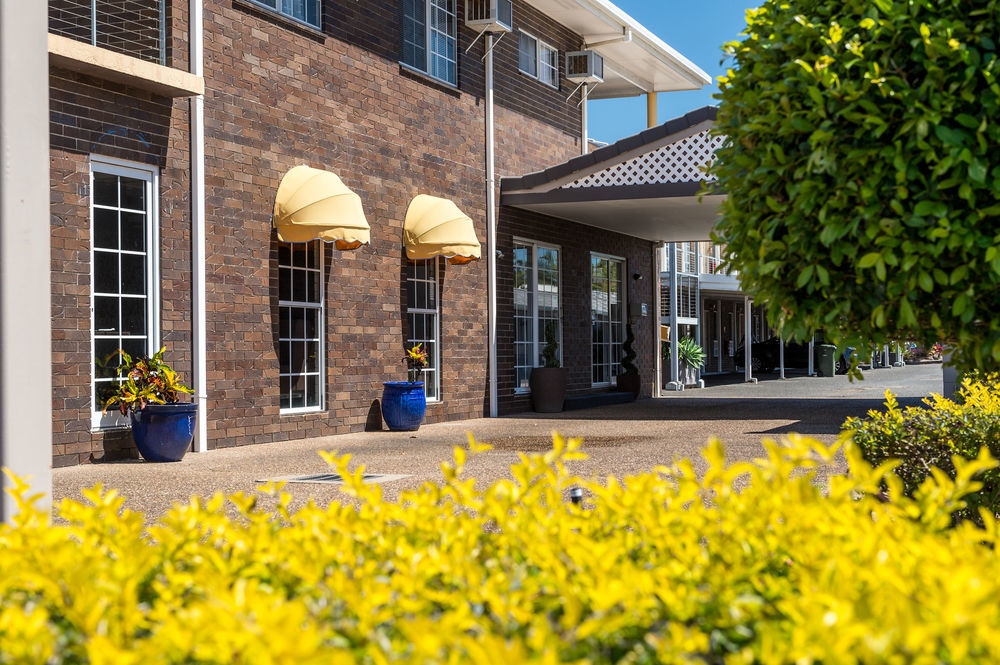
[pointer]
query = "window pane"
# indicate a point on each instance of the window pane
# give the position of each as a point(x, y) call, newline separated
point(285, 402)
point(135, 347)
point(106, 358)
point(526, 55)
point(312, 357)
point(133, 274)
point(105, 272)
point(133, 194)
point(105, 228)
point(133, 232)
point(312, 390)
point(105, 189)
point(133, 316)
point(102, 391)
point(105, 315)
point(285, 284)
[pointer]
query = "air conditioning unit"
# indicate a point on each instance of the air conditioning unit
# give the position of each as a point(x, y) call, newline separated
point(584, 67)
point(489, 15)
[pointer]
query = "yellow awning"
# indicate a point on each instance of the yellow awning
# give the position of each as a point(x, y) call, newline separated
point(436, 227)
point(315, 205)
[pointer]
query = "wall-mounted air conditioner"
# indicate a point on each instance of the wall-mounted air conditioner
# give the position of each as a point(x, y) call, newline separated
point(584, 67)
point(489, 15)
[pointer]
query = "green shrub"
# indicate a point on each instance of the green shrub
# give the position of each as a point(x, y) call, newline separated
point(926, 439)
point(862, 175)
point(773, 569)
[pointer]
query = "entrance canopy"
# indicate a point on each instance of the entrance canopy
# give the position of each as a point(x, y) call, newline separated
point(645, 186)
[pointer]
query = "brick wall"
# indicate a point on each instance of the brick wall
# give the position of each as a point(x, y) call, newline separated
point(576, 242)
point(88, 116)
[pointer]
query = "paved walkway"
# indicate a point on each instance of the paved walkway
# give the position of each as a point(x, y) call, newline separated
point(621, 439)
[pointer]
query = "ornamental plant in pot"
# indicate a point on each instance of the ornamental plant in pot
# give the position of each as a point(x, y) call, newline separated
point(690, 357)
point(404, 403)
point(162, 427)
point(548, 383)
point(628, 380)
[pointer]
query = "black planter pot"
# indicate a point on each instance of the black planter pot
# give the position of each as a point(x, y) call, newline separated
point(548, 389)
point(629, 383)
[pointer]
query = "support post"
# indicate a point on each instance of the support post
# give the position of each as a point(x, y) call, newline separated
point(781, 356)
point(651, 114)
point(584, 131)
point(199, 323)
point(747, 355)
point(658, 316)
point(675, 383)
point(25, 263)
point(812, 345)
point(491, 234)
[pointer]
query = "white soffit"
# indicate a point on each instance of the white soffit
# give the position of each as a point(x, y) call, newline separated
point(643, 64)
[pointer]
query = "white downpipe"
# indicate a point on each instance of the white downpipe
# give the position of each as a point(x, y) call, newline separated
point(747, 359)
point(585, 136)
point(491, 229)
point(812, 346)
point(781, 355)
point(658, 312)
point(199, 317)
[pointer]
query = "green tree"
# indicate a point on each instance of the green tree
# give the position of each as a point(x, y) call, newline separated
point(862, 170)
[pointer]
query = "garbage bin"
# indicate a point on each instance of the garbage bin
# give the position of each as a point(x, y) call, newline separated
point(826, 363)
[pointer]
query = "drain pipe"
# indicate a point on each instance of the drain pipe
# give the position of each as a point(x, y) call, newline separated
point(196, 36)
point(491, 229)
point(585, 136)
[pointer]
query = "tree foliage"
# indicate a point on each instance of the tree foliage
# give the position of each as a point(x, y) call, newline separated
point(862, 170)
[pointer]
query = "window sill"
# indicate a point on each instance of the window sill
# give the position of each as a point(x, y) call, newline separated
point(300, 412)
point(277, 17)
point(419, 73)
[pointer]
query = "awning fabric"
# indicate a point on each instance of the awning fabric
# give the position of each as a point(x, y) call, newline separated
point(436, 227)
point(312, 204)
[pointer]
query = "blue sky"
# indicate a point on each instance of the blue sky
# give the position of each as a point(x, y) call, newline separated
point(697, 30)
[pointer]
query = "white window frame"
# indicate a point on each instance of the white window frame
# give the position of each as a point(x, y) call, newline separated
point(277, 8)
point(538, 341)
point(320, 332)
point(113, 419)
point(434, 361)
point(429, 31)
point(613, 379)
point(539, 45)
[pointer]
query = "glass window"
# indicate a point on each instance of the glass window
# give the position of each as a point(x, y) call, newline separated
point(300, 326)
point(430, 41)
point(422, 314)
point(123, 309)
point(607, 316)
point(307, 11)
point(538, 60)
point(536, 306)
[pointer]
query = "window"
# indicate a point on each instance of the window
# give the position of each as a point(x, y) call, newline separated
point(538, 60)
point(536, 306)
point(607, 316)
point(430, 38)
point(422, 317)
point(300, 326)
point(306, 11)
point(123, 265)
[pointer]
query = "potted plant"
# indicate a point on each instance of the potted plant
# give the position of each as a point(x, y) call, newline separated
point(404, 403)
point(162, 427)
point(628, 380)
point(690, 357)
point(548, 383)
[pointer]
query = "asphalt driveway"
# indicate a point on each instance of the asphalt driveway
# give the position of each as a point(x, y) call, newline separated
point(620, 439)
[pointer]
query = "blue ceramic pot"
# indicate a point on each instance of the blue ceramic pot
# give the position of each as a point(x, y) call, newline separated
point(403, 405)
point(163, 432)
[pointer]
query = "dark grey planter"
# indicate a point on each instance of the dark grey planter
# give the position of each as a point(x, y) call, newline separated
point(548, 389)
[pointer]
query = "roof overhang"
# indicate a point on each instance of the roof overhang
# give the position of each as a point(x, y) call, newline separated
point(668, 202)
point(635, 60)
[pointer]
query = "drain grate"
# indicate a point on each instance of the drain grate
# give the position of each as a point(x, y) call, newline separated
point(334, 478)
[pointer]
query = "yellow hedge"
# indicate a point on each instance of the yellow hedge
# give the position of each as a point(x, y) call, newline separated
point(745, 563)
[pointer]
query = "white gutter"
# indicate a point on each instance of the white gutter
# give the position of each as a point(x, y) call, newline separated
point(491, 230)
point(199, 343)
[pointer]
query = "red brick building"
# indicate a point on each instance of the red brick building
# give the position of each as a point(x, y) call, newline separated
point(168, 145)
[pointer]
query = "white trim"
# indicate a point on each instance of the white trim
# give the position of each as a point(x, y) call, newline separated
point(151, 176)
point(320, 328)
point(534, 245)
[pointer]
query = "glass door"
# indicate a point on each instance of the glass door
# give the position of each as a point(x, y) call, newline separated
point(607, 318)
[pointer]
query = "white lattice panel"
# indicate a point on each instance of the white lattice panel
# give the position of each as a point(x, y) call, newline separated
point(681, 161)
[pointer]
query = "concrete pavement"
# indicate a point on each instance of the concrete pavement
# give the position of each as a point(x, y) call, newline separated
point(620, 439)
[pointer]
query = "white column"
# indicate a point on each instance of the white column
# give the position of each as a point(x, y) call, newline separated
point(718, 330)
point(675, 383)
point(658, 317)
point(697, 304)
point(584, 132)
point(25, 279)
point(747, 355)
point(199, 326)
point(781, 356)
point(812, 345)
